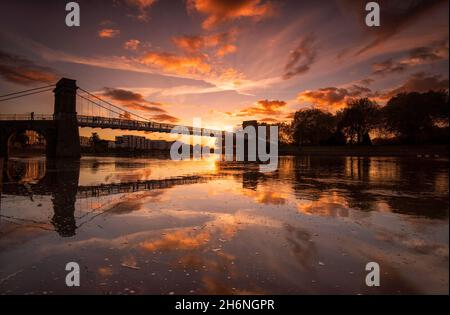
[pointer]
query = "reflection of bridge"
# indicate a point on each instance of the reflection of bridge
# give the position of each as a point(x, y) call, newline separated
point(60, 130)
point(61, 183)
point(43, 188)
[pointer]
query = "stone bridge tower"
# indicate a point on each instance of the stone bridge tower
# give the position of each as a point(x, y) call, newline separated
point(67, 144)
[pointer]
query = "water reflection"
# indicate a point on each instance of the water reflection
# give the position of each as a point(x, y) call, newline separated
point(223, 227)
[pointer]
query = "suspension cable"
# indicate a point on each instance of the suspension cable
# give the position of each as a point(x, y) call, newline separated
point(19, 96)
point(104, 107)
point(115, 106)
point(29, 90)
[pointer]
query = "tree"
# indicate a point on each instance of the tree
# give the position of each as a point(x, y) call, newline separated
point(285, 133)
point(95, 139)
point(313, 127)
point(416, 117)
point(358, 119)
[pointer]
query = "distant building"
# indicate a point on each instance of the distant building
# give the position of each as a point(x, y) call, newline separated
point(141, 143)
point(85, 142)
point(111, 144)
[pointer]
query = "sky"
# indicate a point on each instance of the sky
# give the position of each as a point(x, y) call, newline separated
point(224, 61)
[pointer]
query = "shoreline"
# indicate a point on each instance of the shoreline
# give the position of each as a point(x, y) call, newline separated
point(422, 151)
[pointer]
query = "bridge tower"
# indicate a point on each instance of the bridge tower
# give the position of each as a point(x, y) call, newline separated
point(67, 144)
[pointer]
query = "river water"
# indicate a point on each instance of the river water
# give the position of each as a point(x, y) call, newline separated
point(155, 226)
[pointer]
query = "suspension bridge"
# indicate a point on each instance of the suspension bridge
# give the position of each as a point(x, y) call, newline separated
point(75, 107)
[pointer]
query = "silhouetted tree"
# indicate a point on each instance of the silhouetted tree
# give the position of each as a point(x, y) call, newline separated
point(285, 133)
point(95, 139)
point(313, 127)
point(358, 119)
point(417, 117)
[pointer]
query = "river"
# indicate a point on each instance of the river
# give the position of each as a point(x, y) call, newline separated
point(155, 226)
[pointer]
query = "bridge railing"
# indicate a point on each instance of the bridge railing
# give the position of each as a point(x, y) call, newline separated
point(26, 117)
point(123, 123)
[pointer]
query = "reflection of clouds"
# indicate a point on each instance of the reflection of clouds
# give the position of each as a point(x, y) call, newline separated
point(332, 205)
point(417, 245)
point(178, 240)
point(441, 183)
point(299, 241)
point(105, 271)
point(266, 197)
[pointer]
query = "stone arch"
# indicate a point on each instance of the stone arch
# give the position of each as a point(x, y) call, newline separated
point(7, 134)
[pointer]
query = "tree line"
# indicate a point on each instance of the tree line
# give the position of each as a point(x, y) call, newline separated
point(407, 118)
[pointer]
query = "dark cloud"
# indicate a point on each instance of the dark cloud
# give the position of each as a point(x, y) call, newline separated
point(142, 6)
point(436, 51)
point(22, 71)
point(366, 81)
point(301, 58)
point(395, 16)
point(387, 67)
point(419, 82)
point(418, 56)
point(132, 100)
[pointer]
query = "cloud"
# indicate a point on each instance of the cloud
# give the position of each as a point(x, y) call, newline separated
point(396, 15)
point(177, 64)
point(426, 54)
point(269, 120)
point(334, 98)
point(301, 58)
point(132, 100)
point(108, 33)
point(142, 6)
point(132, 44)
point(165, 118)
point(387, 67)
point(419, 82)
point(220, 11)
point(223, 42)
point(220, 78)
point(19, 70)
point(418, 56)
point(261, 108)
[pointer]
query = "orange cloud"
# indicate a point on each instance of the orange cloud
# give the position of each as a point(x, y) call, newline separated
point(142, 6)
point(262, 108)
point(132, 44)
point(108, 33)
point(22, 71)
point(177, 64)
point(334, 98)
point(219, 11)
point(165, 118)
point(178, 240)
point(194, 44)
point(226, 49)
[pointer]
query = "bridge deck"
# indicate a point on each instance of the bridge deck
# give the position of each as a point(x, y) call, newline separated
point(115, 123)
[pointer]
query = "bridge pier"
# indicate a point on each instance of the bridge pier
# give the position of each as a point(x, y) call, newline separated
point(65, 114)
